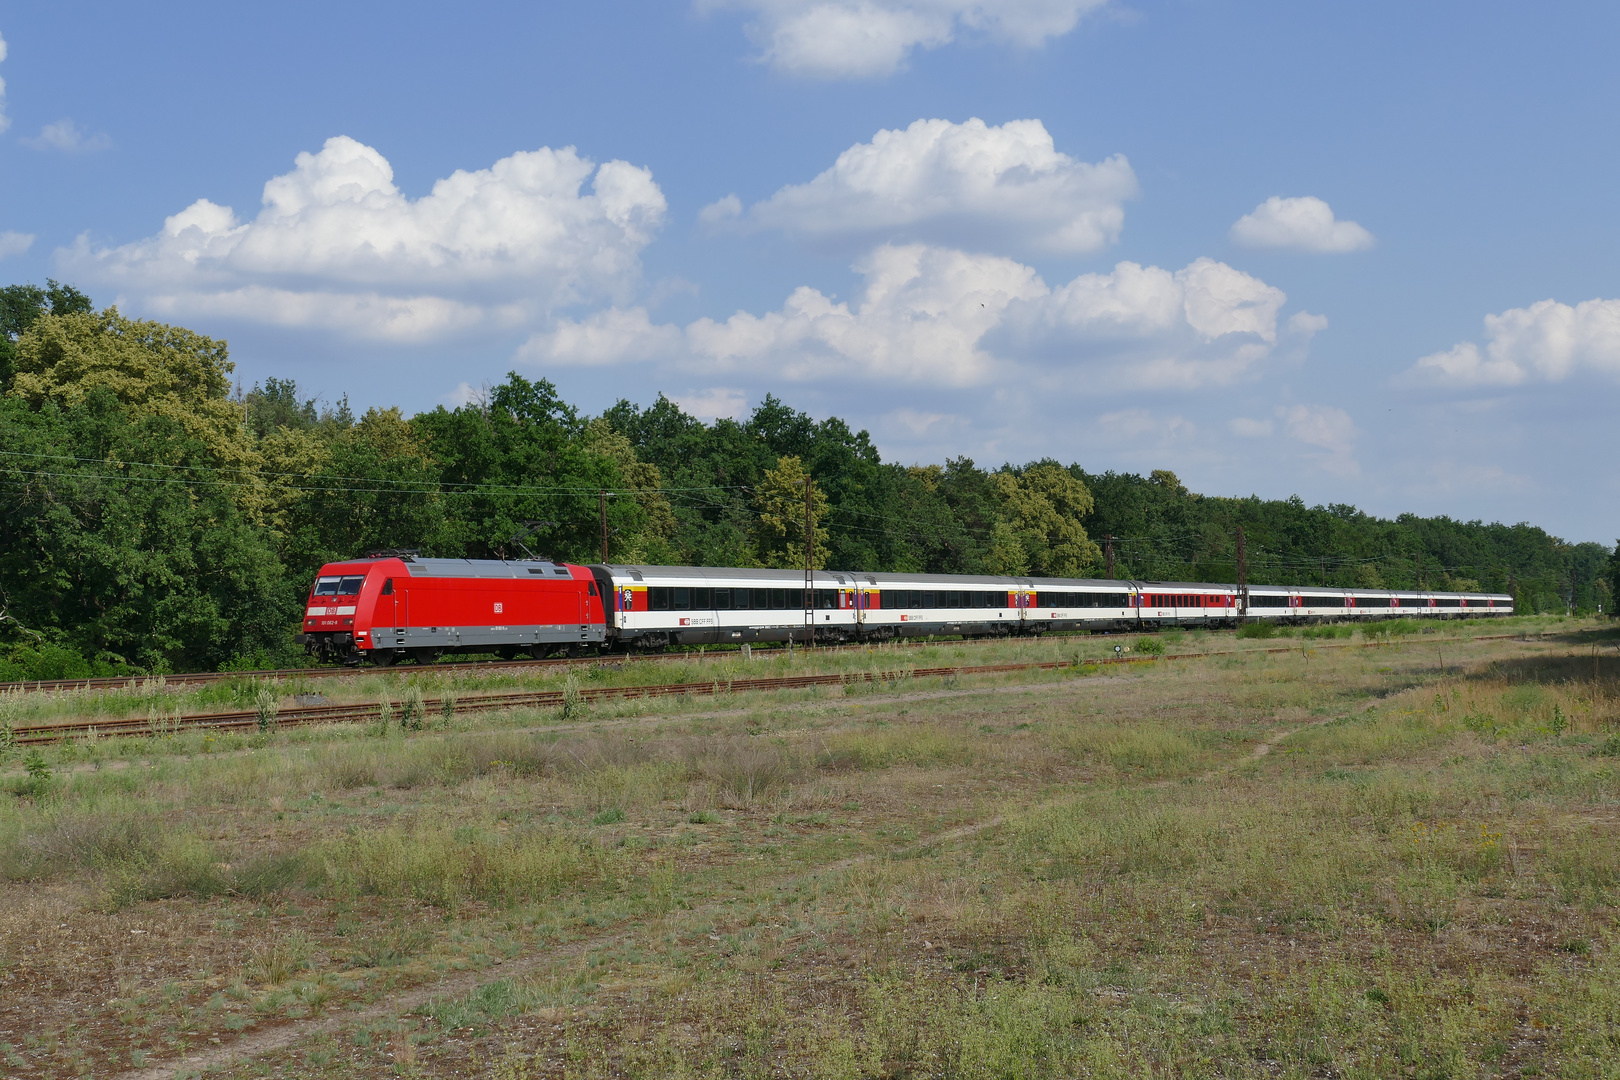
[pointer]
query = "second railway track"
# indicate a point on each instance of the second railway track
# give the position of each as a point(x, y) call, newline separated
point(372, 711)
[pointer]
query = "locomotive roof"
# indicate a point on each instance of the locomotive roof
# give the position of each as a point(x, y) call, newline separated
point(486, 568)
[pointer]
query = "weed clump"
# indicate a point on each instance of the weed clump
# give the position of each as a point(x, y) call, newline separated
point(413, 709)
point(267, 705)
point(1140, 749)
point(573, 702)
point(446, 867)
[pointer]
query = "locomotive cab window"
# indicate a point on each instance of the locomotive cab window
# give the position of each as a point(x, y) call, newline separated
point(350, 586)
point(326, 586)
point(388, 587)
point(590, 590)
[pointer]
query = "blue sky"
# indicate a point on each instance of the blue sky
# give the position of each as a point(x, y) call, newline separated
point(1359, 252)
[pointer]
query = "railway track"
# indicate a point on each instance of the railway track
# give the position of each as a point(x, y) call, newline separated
point(131, 682)
point(135, 682)
point(372, 711)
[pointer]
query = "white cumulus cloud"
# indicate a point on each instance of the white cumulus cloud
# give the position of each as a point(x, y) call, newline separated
point(337, 245)
point(609, 336)
point(15, 243)
point(65, 136)
point(1145, 326)
point(920, 318)
point(1302, 224)
point(713, 403)
point(852, 39)
point(1326, 428)
point(1545, 342)
point(5, 121)
point(1005, 188)
point(939, 317)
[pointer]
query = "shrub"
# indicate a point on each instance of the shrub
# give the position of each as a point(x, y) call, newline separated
point(1261, 629)
point(30, 662)
point(1150, 646)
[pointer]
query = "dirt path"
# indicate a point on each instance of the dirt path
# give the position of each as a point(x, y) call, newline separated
point(462, 983)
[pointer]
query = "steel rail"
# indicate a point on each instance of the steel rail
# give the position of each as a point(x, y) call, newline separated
point(371, 711)
point(201, 678)
point(359, 712)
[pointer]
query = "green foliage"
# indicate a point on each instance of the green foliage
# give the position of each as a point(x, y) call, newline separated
point(1042, 507)
point(21, 306)
point(117, 561)
point(1150, 646)
point(782, 512)
point(46, 660)
point(39, 772)
point(1260, 628)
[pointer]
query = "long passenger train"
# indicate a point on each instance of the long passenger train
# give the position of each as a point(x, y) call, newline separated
point(386, 609)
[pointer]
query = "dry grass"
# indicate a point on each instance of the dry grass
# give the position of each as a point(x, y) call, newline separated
point(1419, 878)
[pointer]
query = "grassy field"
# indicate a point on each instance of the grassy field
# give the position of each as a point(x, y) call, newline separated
point(1352, 857)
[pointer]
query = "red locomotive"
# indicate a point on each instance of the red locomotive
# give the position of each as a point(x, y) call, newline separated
point(385, 609)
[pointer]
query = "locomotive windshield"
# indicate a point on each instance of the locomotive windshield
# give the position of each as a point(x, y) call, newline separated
point(338, 586)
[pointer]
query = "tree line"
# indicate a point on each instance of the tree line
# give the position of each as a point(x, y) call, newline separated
point(157, 516)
